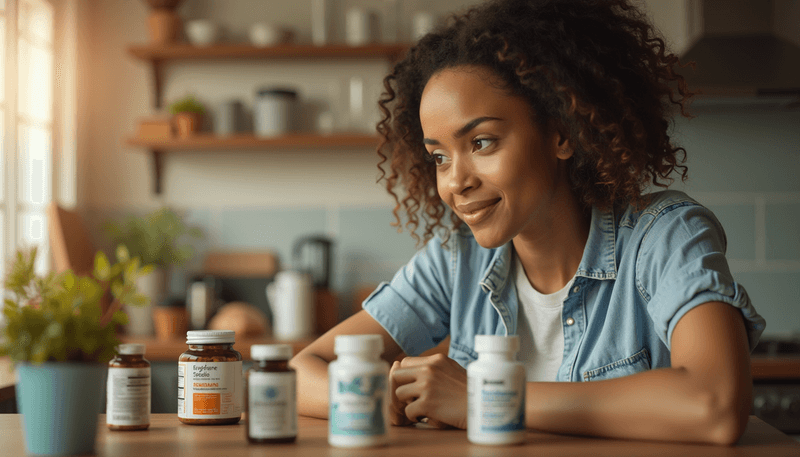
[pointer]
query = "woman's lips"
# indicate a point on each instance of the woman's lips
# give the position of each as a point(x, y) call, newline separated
point(475, 212)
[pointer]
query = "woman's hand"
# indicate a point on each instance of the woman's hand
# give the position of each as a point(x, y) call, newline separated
point(433, 387)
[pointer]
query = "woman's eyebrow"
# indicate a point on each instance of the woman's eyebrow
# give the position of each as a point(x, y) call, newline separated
point(465, 129)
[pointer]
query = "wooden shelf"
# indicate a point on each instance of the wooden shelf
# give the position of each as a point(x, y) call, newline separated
point(786, 367)
point(160, 55)
point(183, 51)
point(208, 142)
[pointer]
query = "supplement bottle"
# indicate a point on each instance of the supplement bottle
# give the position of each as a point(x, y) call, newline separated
point(358, 395)
point(496, 392)
point(210, 381)
point(271, 395)
point(128, 389)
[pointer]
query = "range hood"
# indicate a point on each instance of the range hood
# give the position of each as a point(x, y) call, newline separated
point(740, 53)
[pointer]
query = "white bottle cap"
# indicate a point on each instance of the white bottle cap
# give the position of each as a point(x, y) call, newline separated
point(130, 349)
point(496, 343)
point(210, 337)
point(354, 344)
point(271, 352)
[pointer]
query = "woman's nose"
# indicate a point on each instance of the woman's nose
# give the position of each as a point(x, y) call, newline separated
point(462, 176)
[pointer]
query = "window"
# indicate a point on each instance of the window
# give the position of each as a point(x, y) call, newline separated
point(27, 30)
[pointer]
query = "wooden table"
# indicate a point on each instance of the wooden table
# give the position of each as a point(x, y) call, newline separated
point(169, 437)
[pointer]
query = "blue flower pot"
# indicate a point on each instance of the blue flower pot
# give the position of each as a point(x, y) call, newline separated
point(60, 403)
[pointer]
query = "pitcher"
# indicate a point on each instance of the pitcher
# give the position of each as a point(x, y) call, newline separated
point(290, 298)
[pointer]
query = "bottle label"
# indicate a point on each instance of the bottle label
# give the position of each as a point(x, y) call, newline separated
point(271, 405)
point(496, 404)
point(357, 405)
point(128, 396)
point(210, 390)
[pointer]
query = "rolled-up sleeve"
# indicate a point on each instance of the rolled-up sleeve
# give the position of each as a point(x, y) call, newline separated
point(414, 308)
point(682, 264)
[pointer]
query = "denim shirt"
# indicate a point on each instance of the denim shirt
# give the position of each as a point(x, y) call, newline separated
point(641, 271)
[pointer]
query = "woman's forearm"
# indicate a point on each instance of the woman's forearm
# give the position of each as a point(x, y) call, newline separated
point(312, 385)
point(664, 404)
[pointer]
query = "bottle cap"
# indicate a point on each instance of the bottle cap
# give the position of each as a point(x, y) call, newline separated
point(130, 349)
point(354, 344)
point(271, 352)
point(496, 343)
point(210, 337)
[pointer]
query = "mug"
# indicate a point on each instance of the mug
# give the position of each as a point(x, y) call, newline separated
point(291, 301)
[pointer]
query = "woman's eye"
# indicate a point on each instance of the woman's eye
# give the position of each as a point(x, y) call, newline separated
point(439, 159)
point(482, 143)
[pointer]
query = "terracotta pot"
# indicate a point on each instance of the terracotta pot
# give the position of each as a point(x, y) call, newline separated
point(187, 124)
point(171, 322)
point(164, 25)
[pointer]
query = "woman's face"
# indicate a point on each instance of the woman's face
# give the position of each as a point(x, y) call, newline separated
point(496, 169)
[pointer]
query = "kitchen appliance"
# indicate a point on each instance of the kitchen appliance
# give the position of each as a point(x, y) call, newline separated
point(291, 298)
point(776, 382)
point(312, 254)
point(742, 51)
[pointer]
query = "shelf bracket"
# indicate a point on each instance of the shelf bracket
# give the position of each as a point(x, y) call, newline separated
point(158, 83)
point(158, 168)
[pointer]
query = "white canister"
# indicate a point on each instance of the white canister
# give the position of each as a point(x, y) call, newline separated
point(362, 27)
point(291, 301)
point(273, 112)
point(422, 23)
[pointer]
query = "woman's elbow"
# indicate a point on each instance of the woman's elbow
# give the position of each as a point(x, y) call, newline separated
point(726, 418)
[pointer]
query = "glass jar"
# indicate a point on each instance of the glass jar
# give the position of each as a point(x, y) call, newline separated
point(128, 389)
point(210, 384)
point(271, 395)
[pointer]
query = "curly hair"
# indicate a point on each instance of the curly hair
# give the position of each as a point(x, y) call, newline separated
point(597, 67)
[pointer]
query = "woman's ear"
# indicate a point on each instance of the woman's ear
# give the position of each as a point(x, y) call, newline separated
point(560, 140)
point(562, 145)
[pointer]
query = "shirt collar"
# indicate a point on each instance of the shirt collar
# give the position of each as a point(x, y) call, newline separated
point(599, 259)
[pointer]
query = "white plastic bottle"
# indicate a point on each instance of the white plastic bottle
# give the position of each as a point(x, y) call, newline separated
point(358, 395)
point(496, 392)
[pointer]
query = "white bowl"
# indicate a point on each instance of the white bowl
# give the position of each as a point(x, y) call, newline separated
point(262, 34)
point(201, 32)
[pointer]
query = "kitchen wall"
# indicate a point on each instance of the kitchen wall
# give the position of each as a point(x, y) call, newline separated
point(743, 161)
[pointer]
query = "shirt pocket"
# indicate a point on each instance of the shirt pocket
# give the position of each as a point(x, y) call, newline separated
point(629, 365)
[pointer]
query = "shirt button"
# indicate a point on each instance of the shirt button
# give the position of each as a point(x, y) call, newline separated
point(576, 289)
point(570, 321)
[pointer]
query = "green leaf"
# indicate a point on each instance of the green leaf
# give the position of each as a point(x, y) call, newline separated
point(69, 281)
point(119, 317)
point(146, 270)
point(102, 267)
point(122, 253)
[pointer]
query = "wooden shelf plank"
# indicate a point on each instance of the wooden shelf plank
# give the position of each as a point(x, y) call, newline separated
point(183, 51)
point(211, 142)
point(786, 367)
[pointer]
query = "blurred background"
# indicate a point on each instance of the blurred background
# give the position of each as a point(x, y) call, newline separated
point(88, 88)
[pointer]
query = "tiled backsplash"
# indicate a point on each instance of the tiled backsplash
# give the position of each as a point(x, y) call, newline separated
point(743, 164)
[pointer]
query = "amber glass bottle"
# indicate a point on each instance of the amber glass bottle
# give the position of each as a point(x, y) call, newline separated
point(271, 395)
point(210, 383)
point(128, 389)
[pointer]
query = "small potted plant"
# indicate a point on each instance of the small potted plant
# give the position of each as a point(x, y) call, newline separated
point(60, 338)
point(158, 239)
point(187, 114)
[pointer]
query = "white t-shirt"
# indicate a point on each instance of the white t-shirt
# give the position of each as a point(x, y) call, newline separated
point(541, 333)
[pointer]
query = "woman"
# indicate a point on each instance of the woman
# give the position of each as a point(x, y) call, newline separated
point(520, 138)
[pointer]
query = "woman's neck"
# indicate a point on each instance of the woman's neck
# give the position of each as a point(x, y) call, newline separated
point(551, 252)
